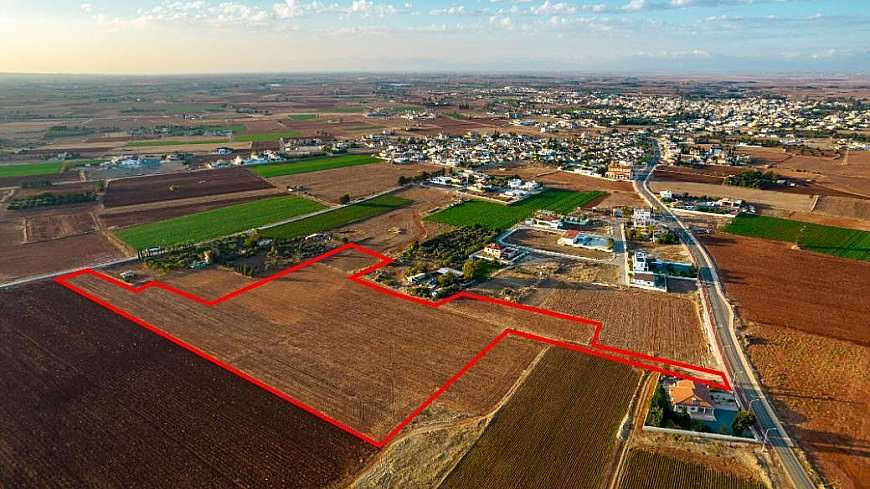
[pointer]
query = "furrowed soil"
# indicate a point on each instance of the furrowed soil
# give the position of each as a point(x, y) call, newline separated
point(94, 400)
point(355, 354)
point(774, 284)
point(355, 181)
point(649, 470)
point(139, 190)
point(557, 430)
point(657, 324)
point(819, 387)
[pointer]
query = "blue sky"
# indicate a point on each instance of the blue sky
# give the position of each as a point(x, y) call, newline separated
point(192, 36)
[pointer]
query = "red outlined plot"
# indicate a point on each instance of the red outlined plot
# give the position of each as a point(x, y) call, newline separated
point(711, 377)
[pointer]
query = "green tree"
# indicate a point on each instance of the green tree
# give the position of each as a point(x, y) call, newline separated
point(474, 269)
point(344, 199)
point(742, 422)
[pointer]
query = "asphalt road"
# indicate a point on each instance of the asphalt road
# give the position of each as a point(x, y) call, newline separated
point(746, 386)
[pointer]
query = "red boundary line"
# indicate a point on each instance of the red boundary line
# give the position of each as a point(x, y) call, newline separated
point(595, 348)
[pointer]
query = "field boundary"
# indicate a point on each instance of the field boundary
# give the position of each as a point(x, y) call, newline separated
point(595, 348)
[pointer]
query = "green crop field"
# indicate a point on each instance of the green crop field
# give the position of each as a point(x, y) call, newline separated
point(45, 168)
point(337, 218)
point(215, 223)
point(259, 137)
point(842, 242)
point(173, 142)
point(303, 117)
point(312, 164)
point(500, 216)
point(653, 471)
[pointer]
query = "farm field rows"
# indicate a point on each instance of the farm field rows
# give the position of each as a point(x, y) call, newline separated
point(646, 470)
point(174, 186)
point(769, 282)
point(357, 355)
point(258, 137)
point(842, 242)
point(99, 402)
point(215, 223)
point(557, 431)
point(501, 216)
point(310, 165)
point(338, 217)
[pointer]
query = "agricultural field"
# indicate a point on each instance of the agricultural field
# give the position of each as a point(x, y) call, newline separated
point(303, 117)
point(668, 326)
point(174, 142)
point(394, 231)
point(338, 217)
point(173, 186)
point(818, 385)
point(259, 137)
point(337, 346)
point(311, 165)
point(769, 282)
point(647, 470)
point(95, 397)
point(355, 181)
point(501, 216)
point(557, 430)
point(45, 168)
point(215, 223)
point(764, 200)
point(842, 242)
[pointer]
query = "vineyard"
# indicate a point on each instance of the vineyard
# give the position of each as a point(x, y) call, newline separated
point(646, 470)
point(558, 430)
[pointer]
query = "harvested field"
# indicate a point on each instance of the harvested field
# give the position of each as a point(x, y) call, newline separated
point(65, 188)
point(843, 207)
point(645, 469)
point(355, 181)
point(357, 364)
point(771, 283)
point(667, 326)
point(558, 430)
point(618, 193)
point(762, 199)
point(92, 399)
point(712, 174)
point(819, 387)
point(394, 231)
point(59, 223)
point(155, 188)
point(848, 174)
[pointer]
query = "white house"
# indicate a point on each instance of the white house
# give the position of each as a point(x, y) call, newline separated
point(639, 262)
point(642, 218)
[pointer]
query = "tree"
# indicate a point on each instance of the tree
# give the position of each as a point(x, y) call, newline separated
point(474, 269)
point(344, 199)
point(403, 180)
point(446, 279)
point(742, 421)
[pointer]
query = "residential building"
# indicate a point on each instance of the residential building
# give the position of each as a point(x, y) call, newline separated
point(693, 398)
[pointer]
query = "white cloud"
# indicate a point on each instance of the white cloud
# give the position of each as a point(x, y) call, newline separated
point(86, 8)
point(548, 8)
point(453, 10)
point(288, 9)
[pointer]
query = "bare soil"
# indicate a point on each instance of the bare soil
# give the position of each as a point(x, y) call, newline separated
point(155, 188)
point(92, 399)
point(771, 283)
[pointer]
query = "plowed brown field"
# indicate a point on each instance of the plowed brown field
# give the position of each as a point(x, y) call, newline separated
point(155, 188)
point(92, 400)
point(357, 355)
point(771, 283)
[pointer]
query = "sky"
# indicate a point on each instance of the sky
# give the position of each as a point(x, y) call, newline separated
point(586, 36)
